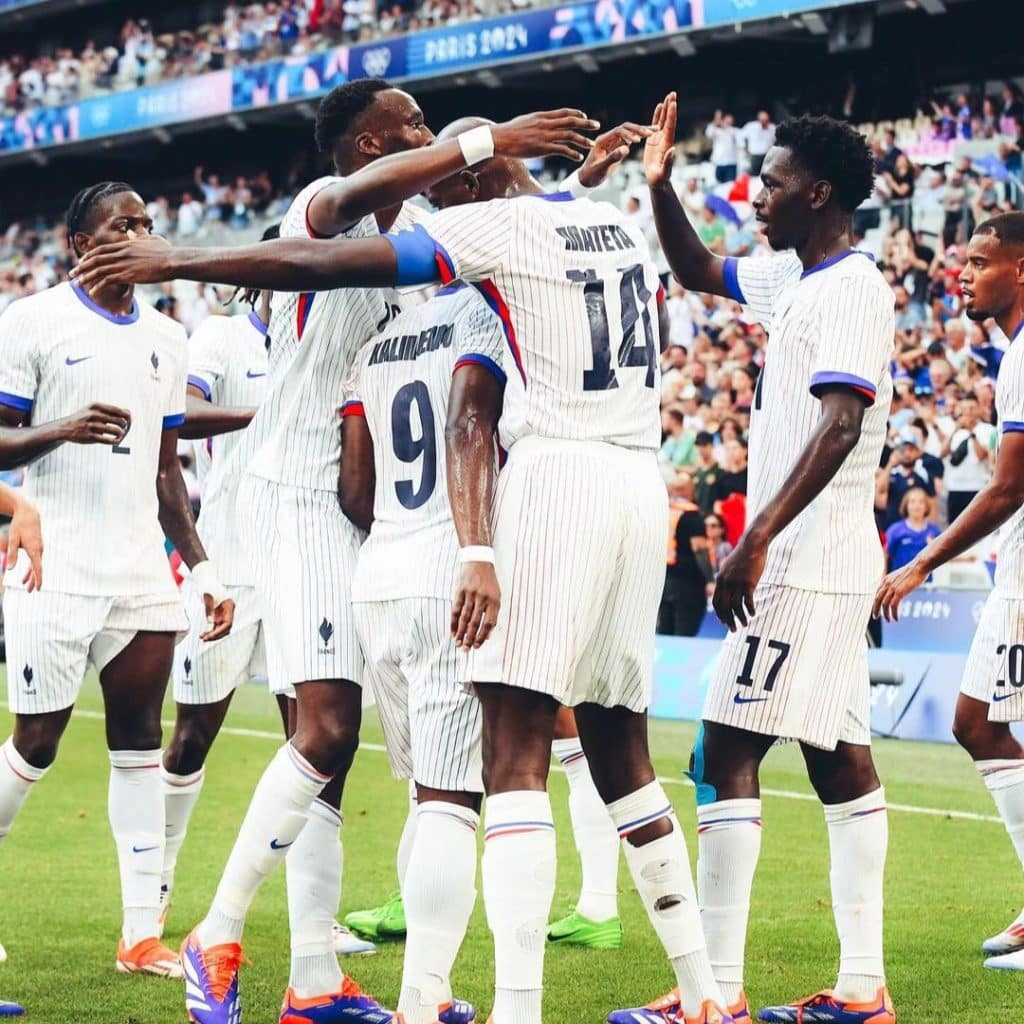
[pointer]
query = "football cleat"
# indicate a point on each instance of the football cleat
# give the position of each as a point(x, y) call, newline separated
point(668, 1008)
point(8, 1009)
point(350, 1005)
point(150, 956)
point(1006, 962)
point(347, 944)
point(576, 930)
point(824, 1008)
point(1009, 940)
point(458, 1011)
point(211, 981)
point(385, 922)
point(709, 1013)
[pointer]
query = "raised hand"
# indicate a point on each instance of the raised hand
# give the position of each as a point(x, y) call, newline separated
point(146, 259)
point(547, 133)
point(97, 424)
point(609, 150)
point(659, 152)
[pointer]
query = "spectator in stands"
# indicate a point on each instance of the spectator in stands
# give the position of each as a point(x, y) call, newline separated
point(966, 444)
point(890, 153)
point(908, 315)
point(693, 199)
point(731, 489)
point(725, 146)
point(758, 137)
point(900, 181)
point(912, 532)
point(705, 472)
point(190, 216)
point(987, 355)
point(712, 231)
point(906, 472)
point(687, 571)
point(677, 448)
point(1012, 110)
point(718, 547)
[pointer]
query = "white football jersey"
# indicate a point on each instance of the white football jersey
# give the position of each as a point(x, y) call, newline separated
point(574, 286)
point(227, 361)
point(294, 438)
point(831, 325)
point(1010, 407)
point(401, 384)
point(59, 353)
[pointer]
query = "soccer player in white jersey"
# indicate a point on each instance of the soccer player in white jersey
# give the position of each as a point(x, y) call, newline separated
point(575, 289)
point(992, 695)
point(796, 593)
point(92, 392)
point(393, 476)
point(291, 451)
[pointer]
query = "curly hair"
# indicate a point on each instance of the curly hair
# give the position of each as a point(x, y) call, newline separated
point(82, 209)
point(1007, 227)
point(833, 151)
point(340, 108)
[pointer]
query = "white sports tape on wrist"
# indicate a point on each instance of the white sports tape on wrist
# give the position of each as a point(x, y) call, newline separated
point(477, 144)
point(204, 576)
point(476, 553)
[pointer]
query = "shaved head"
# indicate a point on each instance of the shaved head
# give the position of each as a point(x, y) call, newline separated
point(461, 126)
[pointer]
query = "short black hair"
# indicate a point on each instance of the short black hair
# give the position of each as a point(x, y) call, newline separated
point(833, 151)
point(339, 109)
point(703, 438)
point(82, 209)
point(1007, 227)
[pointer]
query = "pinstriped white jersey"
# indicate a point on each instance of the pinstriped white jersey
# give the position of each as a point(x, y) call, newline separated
point(59, 352)
point(830, 325)
point(227, 361)
point(1010, 407)
point(401, 384)
point(574, 285)
point(314, 336)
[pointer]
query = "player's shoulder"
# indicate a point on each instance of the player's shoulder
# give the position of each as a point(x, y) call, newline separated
point(295, 222)
point(409, 216)
point(48, 303)
point(853, 277)
point(1012, 365)
point(162, 327)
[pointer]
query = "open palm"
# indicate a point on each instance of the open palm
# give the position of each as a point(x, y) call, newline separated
point(659, 150)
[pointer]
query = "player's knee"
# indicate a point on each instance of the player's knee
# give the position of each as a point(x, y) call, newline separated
point(329, 745)
point(842, 775)
point(188, 750)
point(143, 732)
point(37, 745)
point(975, 734)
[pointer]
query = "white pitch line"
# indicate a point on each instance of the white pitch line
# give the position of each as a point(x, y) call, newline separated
point(665, 780)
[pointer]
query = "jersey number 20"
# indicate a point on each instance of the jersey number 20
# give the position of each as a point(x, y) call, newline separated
point(408, 448)
point(634, 299)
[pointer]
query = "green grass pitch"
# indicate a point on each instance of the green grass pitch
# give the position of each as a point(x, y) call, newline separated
point(951, 882)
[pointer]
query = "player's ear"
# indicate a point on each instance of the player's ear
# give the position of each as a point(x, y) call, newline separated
point(821, 192)
point(81, 243)
point(471, 183)
point(369, 145)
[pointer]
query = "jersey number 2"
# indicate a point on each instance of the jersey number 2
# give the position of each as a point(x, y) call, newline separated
point(634, 299)
point(408, 448)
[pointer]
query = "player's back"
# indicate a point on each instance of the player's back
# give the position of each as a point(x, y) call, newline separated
point(228, 363)
point(401, 385)
point(1009, 580)
point(97, 503)
point(830, 326)
point(573, 283)
point(314, 337)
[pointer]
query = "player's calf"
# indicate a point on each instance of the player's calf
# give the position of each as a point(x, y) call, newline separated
point(18, 776)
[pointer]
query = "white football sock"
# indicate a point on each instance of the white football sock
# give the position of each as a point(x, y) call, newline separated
point(273, 822)
point(180, 795)
point(1005, 781)
point(661, 873)
point(136, 808)
point(439, 893)
point(729, 841)
point(519, 885)
point(597, 841)
point(313, 869)
point(17, 777)
point(407, 839)
point(858, 835)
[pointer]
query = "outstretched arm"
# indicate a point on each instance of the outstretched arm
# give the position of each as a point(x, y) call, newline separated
point(694, 266)
point(204, 419)
point(835, 436)
point(992, 506)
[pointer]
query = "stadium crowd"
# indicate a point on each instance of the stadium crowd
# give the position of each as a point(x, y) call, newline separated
point(942, 424)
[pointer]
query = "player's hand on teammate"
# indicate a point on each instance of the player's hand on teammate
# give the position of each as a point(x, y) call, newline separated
point(609, 150)
point(26, 535)
point(144, 259)
point(894, 588)
point(547, 133)
point(734, 589)
point(659, 152)
point(475, 606)
point(98, 424)
point(219, 617)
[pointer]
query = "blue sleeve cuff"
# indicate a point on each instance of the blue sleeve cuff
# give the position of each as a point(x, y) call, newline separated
point(731, 272)
point(479, 359)
point(198, 382)
point(15, 401)
point(824, 379)
point(1013, 427)
point(174, 421)
point(420, 259)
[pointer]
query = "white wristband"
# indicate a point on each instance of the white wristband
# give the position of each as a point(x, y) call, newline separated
point(204, 577)
point(476, 553)
point(477, 144)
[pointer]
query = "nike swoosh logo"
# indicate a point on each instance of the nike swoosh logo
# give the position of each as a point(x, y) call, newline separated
point(737, 699)
point(253, 376)
point(143, 849)
point(275, 845)
point(74, 362)
point(997, 697)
